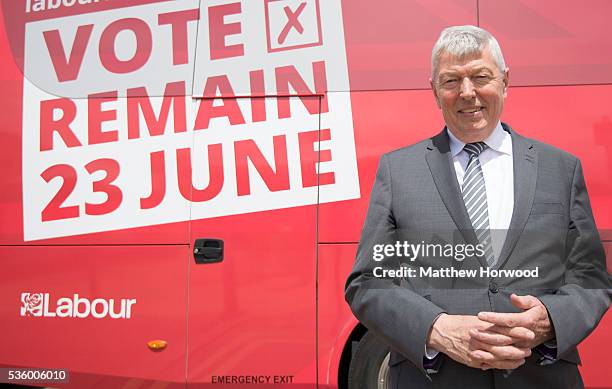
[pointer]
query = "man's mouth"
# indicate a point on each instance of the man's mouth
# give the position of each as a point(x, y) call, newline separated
point(471, 110)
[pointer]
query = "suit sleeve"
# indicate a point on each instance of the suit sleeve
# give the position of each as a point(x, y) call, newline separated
point(577, 307)
point(400, 316)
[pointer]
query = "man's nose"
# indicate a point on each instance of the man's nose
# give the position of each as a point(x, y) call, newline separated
point(467, 89)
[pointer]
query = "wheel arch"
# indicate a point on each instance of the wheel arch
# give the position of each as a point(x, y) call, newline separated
point(345, 353)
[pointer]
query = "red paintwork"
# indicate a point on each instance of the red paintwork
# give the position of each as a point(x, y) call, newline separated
point(255, 312)
point(275, 304)
point(109, 353)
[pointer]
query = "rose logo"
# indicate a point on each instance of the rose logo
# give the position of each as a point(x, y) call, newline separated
point(31, 304)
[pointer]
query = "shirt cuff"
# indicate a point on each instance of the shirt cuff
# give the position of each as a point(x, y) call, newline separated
point(432, 365)
point(431, 353)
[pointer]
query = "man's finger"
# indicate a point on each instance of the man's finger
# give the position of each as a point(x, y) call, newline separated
point(506, 319)
point(482, 356)
point(492, 338)
point(502, 336)
point(486, 366)
point(500, 352)
point(486, 361)
point(517, 333)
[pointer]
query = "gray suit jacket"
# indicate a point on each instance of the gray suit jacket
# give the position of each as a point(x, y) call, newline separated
point(416, 198)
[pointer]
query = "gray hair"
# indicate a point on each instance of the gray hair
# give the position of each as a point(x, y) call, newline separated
point(465, 41)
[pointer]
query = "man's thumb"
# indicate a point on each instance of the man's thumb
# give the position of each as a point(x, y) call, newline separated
point(522, 302)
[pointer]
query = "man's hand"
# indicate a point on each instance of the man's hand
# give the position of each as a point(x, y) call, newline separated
point(450, 334)
point(527, 329)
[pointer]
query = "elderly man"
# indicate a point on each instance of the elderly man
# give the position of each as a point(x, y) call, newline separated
point(521, 203)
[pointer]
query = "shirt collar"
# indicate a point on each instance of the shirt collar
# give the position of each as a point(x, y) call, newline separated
point(499, 140)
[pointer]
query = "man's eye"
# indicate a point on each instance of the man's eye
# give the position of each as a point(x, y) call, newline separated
point(450, 82)
point(482, 79)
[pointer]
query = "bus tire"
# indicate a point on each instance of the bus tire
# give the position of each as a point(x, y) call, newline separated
point(369, 368)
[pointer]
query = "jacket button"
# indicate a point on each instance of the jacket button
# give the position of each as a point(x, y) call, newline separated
point(493, 287)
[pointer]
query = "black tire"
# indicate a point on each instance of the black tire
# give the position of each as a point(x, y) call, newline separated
point(369, 368)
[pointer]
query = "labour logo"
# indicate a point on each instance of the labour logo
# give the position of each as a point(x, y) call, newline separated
point(31, 304)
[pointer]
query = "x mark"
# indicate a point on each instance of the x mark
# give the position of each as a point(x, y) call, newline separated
point(292, 22)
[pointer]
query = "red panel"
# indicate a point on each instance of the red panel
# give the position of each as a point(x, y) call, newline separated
point(10, 138)
point(335, 320)
point(11, 219)
point(105, 351)
point(573, 118)
point(254, 312)
point(547, 42)
point(388, 45)
point(8, 67)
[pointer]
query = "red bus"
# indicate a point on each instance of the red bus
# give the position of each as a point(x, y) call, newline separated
point(184, 182)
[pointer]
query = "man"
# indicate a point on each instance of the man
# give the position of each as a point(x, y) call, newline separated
point(525, 206)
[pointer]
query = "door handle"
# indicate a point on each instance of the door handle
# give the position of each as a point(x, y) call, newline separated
point(208, 250)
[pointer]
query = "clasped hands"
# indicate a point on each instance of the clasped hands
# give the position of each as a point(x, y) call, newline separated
point(493, 340)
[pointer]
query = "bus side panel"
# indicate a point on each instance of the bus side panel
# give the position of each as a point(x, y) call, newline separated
point(93, 309)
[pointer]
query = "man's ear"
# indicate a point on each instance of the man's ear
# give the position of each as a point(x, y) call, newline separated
point(435, 93)
point(506, 81)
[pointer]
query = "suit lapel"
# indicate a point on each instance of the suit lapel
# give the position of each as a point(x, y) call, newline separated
point(525, 166)
point(440, 164)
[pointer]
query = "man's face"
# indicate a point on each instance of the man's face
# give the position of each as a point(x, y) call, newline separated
point(470, 92)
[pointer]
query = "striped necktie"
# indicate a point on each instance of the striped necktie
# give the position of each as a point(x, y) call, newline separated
point(475, 198)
